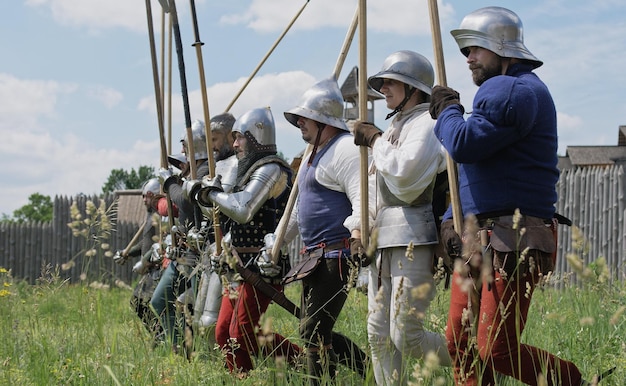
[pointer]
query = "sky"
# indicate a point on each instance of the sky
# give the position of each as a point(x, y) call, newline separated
point(77, 88)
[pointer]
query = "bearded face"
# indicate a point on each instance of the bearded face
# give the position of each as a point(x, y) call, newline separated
point(484, 64)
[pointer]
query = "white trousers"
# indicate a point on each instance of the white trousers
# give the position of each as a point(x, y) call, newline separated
point(400, 290)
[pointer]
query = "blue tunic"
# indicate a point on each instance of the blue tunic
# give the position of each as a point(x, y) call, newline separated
point(507, 148)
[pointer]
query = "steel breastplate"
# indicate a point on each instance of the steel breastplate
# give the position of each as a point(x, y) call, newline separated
point(400, 225)
point(389, 199)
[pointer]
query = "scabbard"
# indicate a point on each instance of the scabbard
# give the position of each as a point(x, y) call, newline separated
point(254, 279)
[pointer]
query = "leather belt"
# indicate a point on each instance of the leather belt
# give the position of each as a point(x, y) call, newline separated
point(247, 249)
point(330, 247)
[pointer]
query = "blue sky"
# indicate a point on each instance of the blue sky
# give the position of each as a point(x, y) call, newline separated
point(77, 93)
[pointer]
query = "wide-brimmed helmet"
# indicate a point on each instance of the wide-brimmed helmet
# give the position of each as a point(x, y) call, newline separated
point(323, 103)
point(407, 67)
point(497, 29)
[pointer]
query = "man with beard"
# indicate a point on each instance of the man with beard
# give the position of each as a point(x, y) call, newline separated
point(255, 205)
point(327, 217)
point(173, 285)
point(506, 151)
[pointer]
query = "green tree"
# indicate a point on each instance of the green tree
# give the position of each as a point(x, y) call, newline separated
point(120, 179)
point(39, 208)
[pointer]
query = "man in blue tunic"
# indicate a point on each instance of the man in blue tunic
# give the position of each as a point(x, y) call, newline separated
point(506, 151)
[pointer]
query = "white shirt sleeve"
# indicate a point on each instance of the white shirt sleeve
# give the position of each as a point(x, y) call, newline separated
point(338, 170)
point(410, 166)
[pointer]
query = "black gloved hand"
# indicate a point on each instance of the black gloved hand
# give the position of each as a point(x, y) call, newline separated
point(358, 253)
point(365, 133)
point(451, 240)
point(442, 97)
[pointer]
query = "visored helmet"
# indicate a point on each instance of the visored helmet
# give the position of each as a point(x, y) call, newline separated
point(407, 67)
point(497, 29)
point(198, 134)
point(323, 103)
point(257, 125)
point(152, 185)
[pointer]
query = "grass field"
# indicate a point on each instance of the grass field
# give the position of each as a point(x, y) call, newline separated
point(53, 333)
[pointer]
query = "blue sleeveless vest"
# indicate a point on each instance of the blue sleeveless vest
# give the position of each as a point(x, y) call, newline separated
point(321, 211)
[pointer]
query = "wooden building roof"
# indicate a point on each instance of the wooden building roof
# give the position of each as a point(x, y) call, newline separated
point(596, 155)
point(578, 156)
point(130, 207)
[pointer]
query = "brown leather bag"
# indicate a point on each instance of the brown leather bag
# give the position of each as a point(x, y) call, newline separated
point(306, 266)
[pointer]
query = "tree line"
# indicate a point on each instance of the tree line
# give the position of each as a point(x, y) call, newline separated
point(40, 206)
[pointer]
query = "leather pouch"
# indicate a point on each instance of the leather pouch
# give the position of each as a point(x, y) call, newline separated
point(305, 267)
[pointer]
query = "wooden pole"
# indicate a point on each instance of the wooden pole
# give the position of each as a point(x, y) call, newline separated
point(293, 195)
point(169, 87)
point(207, 119)
point(455, 202)
point(157, 87)
point(183, 86)
point(159, 108)
point(205, 100)
point(347, 42)
point(365, 229)
point(134, 239)
point(267, 55)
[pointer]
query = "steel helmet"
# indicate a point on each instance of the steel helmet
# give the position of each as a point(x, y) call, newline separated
point(408, 67)
point(198, 134)
point(177, 160)
point(257, 125)
point(223, 122)
point(497, 29)
point(323, 103)
point(152, 185)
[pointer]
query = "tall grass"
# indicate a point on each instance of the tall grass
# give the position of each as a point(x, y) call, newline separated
point(53, 333)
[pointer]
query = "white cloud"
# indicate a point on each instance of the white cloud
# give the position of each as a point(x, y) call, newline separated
point(108, 96)
point(97, 15)
point(280, 91)
point(43, 161)
point(568, 123)
point(391, 16)
point(67, 166)
point(23, 102)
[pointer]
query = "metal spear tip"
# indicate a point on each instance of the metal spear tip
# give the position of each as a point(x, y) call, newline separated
point(165, 4)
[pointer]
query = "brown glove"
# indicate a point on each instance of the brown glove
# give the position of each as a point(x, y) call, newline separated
point(451, 241)
point(365, 133)
point(357, 252)
point(442, 97)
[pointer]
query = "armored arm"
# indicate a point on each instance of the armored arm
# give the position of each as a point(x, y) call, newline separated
point(268, 181)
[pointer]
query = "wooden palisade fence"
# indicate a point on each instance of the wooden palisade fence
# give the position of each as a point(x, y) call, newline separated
point(592, 197)
point(28, 248)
